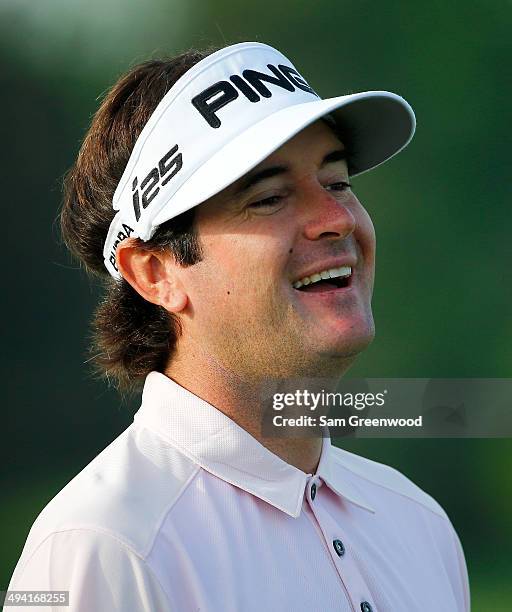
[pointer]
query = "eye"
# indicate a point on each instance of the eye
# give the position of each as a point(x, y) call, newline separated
point(339, 186)
point(265, 202)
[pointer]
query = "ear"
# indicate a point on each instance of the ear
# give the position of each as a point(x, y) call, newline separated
point(153, 274)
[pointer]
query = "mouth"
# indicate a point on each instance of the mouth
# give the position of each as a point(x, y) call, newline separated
point(331, 279)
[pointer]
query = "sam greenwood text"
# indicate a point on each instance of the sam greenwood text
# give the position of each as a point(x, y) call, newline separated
point(353, 421)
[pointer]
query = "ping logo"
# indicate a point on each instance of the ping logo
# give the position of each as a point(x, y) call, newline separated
point(170, 164)
point(251, 84)
point(122, 235)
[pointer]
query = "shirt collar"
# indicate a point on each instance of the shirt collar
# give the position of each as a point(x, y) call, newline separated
point(219, 445)
point(330, 470)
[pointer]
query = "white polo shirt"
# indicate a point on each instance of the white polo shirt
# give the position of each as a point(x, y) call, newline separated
point(185, 512)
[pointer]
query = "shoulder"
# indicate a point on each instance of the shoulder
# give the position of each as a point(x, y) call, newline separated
point(125, 493)
point(98, 572)
point(376, 479)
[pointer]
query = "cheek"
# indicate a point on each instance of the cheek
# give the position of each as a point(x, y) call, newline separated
point(366, 234)
point(239, 271)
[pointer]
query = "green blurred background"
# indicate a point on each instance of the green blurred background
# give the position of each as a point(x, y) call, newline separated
point(441, 211)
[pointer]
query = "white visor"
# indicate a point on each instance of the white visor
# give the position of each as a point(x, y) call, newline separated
point(222, 118)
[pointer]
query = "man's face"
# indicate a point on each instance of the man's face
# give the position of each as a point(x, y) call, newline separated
point(293, 216)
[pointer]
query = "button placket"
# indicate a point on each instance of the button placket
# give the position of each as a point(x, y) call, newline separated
point(353, 583)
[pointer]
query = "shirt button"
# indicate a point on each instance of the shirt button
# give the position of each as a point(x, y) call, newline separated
point(313, 491)
point(340, 549)
point(365, 607)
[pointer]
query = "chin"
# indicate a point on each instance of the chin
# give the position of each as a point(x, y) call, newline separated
point(349, 338)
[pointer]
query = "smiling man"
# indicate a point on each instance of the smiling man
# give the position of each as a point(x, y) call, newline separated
point(238, 256)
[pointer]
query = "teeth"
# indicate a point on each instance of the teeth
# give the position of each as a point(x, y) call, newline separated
point(341, 272)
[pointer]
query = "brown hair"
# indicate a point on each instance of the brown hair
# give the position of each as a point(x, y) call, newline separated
point(130, 336)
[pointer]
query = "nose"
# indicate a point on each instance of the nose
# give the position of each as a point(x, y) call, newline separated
point(327, 216)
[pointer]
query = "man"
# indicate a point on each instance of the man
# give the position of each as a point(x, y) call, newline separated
point(240, 259)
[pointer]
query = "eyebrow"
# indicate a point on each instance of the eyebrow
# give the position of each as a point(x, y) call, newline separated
point(256, 177)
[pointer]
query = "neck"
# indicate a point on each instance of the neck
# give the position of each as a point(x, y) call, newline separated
point(249, 404)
